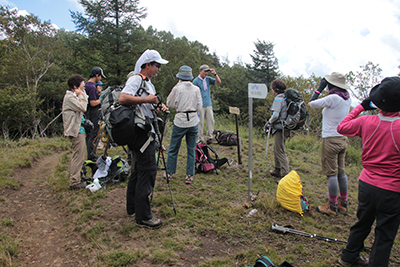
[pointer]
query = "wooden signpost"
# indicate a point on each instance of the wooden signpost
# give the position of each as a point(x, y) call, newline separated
point(236, 111)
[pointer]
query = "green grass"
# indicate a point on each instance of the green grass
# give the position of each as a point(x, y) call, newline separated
point(211, 217)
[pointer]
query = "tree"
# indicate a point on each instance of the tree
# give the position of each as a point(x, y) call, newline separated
point(108, 25)
point(265, 65)
point(362, 81)
point(31, 48)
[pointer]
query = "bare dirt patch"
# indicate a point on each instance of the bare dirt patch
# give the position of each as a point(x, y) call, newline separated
point(39, 225)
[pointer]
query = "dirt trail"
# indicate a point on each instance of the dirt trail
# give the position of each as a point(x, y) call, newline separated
point(38, 224)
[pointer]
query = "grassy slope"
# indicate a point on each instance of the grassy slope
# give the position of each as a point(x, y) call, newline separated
point(213, 206)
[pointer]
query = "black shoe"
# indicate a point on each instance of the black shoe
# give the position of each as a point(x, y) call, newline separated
point(360, 262)
point(152, 223)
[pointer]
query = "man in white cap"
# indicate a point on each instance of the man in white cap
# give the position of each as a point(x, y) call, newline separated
point(203, 81)
point(335, 106)
point(142, 180)
point(92, 112)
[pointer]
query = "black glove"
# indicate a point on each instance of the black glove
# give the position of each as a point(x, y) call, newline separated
point(367, 104)
point(321, 87)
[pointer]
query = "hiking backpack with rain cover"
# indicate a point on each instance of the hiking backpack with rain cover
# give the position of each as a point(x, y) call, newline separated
point(296, 110)
point(204, 162)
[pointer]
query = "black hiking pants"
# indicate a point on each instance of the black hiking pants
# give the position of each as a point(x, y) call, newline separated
point(374, 204)
point(141, 182)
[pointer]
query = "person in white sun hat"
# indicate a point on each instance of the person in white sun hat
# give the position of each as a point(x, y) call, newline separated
point(334, 145)
point(141, 182)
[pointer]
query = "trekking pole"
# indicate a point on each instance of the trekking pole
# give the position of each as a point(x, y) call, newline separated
point(290, 229)
point(269, 132)
point(157, 129)
point(161, 151)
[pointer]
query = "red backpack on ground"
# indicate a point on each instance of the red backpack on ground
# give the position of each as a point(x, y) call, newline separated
point(204, 162)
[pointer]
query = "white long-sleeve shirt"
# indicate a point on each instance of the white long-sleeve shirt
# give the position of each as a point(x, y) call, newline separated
point(185, 97)
point(335, 110)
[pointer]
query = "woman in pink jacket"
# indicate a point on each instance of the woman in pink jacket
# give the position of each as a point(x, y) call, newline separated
point(379, 181)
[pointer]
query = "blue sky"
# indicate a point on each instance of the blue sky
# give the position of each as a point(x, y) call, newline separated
point(57, 11)
point(310, 36)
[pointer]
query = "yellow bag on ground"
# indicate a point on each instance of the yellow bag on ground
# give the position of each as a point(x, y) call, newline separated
point(290, 193)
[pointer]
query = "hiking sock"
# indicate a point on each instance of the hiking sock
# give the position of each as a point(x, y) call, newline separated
point(333, 189)
point(343, 186)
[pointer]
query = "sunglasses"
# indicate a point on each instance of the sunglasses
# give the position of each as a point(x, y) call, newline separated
point(207, 70)
point(158, 65)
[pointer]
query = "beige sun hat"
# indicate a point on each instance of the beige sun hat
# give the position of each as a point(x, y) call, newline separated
point(337, 79)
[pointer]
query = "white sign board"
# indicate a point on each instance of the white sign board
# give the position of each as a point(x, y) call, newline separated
point(257, 90)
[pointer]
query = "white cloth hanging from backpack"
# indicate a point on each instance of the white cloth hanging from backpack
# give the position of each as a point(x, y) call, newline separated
point(102, 167)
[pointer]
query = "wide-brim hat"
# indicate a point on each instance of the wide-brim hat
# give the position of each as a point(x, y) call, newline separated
point(337, 79)
point(386, 95)
point(185, 73)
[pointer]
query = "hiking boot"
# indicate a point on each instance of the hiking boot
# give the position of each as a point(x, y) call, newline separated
point(342, 207)
point(360, 262)
point(276, 172)
point(76, 186)
point(328, 209)
point(152, 223)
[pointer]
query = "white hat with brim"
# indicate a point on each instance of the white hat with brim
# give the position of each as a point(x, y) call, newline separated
point(337, 80)
point(149, 56)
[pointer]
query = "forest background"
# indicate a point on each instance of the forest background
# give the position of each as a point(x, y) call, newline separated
point(36, 60)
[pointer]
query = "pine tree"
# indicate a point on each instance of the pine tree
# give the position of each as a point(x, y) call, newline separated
point(265, 65)
point(109, 26)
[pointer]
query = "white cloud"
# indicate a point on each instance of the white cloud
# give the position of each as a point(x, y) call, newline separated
point(311, 36)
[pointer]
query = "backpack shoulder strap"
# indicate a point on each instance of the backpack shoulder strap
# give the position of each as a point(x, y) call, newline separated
point(142, 87)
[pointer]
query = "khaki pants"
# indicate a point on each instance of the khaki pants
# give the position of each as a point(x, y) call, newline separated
point(333, 155)
point(280, 157)
point(207, 114)
point(77, 158)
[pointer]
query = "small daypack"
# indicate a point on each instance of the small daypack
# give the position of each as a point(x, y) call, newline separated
point(227, 138)
point(296, 110)
point(204, 162)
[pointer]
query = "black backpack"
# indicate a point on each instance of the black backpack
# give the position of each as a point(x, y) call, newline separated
point(121, 120)
point(226, 138)
point(297, 113)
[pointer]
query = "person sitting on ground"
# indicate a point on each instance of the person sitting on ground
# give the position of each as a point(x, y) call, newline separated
point(74, 104)
point(275, 123)
point(186, 99)
point(379, 181)
point(334, 145)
